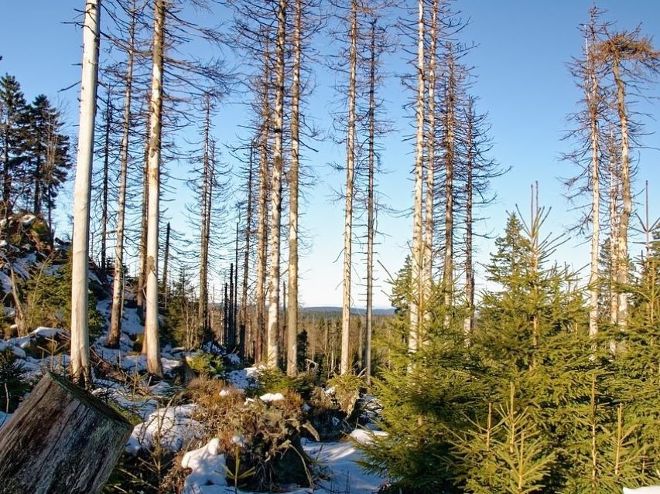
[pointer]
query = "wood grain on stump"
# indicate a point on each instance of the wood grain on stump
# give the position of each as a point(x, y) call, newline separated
point(60, 440)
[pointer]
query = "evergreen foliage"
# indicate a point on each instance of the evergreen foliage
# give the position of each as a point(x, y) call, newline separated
point(531, 403)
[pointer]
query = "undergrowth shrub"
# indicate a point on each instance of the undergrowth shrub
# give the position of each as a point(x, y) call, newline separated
point(261, 440)
point(13, 383)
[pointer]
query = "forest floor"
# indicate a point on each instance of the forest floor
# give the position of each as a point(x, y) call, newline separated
point(164, 422)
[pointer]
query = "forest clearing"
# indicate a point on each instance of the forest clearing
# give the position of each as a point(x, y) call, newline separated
point(297, 246)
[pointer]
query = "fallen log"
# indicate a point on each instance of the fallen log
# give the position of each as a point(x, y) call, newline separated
point(61, 439)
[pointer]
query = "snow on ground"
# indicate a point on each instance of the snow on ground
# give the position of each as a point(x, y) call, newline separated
point(5, 282)
point(244, 378)
point(171, 427)
point(337, 459)
point(208, 470)
point(268, 397)
point(654, 489)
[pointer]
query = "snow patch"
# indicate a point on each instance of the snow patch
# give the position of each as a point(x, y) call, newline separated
point(172, 427)
point(208, 469)
point(269, 397)
point(654, 489)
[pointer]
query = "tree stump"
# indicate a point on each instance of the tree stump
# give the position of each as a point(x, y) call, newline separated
point(60, 440)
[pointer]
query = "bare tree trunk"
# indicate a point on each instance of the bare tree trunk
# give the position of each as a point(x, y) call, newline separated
point(626, 198)
point(234, 315)
point(118, 279)
point(247, 329)
point(142, 254)
point(80, 368)
point(205, 206)
point(593, 104)
point(345, 363)
point(417, 267)
point(155, 129)
point(614, 193)
point(272, 356)
point(370, 201)
point(449, 158)
point(166, 265)
point(262, 218)
point(292, 313)
point(468, 322)
point(106, 166)
point(429, 223)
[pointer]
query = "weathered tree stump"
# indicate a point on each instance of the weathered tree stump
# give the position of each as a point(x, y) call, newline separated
point(60, 440)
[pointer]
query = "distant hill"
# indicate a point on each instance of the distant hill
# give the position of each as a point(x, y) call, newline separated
point(354, 310)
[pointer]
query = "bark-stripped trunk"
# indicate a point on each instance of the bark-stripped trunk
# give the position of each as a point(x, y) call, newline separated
point(234, 316)
point(106, 170)
point(614, 216)
point(142, 254)
point(417, 268)
point(449, 145)
point(166, 265)
point(370, 201)
point(468, 322)
point(80, 368)
point(262, 218)
point(345, 363)
point(593, 104)
point(204, 238)
point(155, 128)
point(429, 223)
point(272, 356)
point(626, 199)
point(247, 329)
point(118, 279)
point(232, 332)
point(292, 313)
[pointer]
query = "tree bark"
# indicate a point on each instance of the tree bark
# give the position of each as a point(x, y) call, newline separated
point(118, 279)
point(345, 362)
point(416, 297)
point(371, 216)
point(155, 128)
point(61, 439)
point(80, 367)
point(626, 199)
point(292, 312)
point(272, 356)
point(594, 275)
point(262, 218)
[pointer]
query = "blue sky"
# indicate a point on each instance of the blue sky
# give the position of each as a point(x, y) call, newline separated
point(522, 82)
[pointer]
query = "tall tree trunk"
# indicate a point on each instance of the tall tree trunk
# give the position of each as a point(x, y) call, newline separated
point(370, 200)
point(80, 367)
point(106, 170)
point(345, 363)
point(449, 145)
point(593, 104)
point(247, 329)
point(155, 129)
point(118, 279)
point(292, 313)
point(262, 218)
point(166, 265)
point(626, 199)
point(142, 254)
point(614, 216)
point(204, 238)
point(276, 192)
point(429, 223)
point(468, 322)
point(416, 299)
point(234, 316)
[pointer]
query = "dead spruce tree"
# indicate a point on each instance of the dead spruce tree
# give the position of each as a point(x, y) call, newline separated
point(118, 278)
point(631, 60)
point(80, 365)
